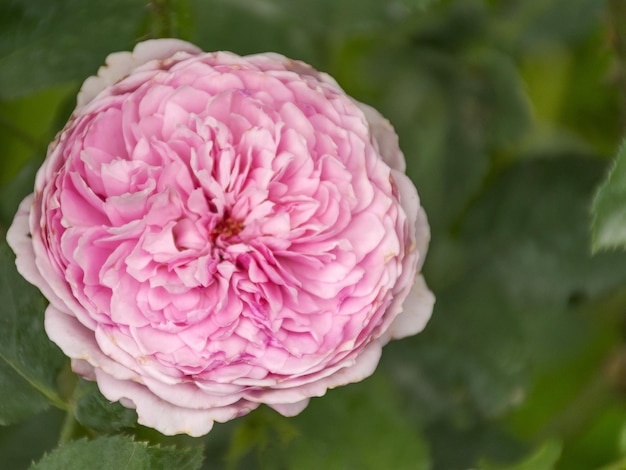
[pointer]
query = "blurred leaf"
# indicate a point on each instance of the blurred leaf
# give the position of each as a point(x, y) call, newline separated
point(598, 444)
point(26, 127)
point(260, 432)
point(94, 411)
point(573, 96)
point(333, 16)
point(544, 458)
point(447, 93)
point(15, 190)
point(357, 426)
point(27, 355)
point(619, 465)
point(527, 272)
point(609, 208)
point(45, 43)
point(533, 24)
point(564, 396)
point(113, 453)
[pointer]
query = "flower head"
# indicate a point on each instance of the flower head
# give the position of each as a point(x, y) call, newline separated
point(214, 232)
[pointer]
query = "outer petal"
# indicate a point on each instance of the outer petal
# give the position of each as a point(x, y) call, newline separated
point(417, 309)
point(290, 409)
point(19, 239)
point(385, 136)
point(120, 64)
point(291, 400)
point(78, 342)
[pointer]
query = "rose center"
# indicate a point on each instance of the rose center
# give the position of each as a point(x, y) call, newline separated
point(226, 229)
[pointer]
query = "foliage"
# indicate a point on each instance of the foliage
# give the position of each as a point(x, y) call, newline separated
point(508, 111)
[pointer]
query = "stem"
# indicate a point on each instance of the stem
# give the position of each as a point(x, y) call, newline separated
point(73, 393)
point(170, 18)
point(68, 428)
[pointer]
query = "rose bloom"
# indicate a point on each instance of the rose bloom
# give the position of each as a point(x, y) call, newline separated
point(214, 232)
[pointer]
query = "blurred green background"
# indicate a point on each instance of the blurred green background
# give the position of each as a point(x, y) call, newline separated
point(508, 111)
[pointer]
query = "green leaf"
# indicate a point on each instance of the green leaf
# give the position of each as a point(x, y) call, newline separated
point(609, 208)
point(19, 398)
point(544, 458)
point(96, 412)
point(47, 43)
point(119, 452)
point(27, 355)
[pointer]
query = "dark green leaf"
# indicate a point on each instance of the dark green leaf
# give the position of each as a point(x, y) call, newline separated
point(94, 411)
point(25, 350)
point(119, 452)
point(19, 398)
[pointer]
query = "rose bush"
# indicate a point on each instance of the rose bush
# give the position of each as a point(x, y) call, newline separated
point(214, 232)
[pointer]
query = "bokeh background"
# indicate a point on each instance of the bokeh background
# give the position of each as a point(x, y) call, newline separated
point(509, 113)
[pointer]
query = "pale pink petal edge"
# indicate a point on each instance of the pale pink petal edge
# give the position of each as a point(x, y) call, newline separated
point(385, 137)
point(363, 366)
point(79, 343)
point(163, 416)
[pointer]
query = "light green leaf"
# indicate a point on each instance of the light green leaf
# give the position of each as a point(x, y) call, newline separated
point(119, 452)
point(26, 353)
point(609, 208)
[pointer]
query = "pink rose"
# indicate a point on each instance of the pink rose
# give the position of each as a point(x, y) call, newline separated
point(214, 232)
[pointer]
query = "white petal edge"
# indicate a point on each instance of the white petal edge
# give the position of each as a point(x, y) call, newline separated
point(417, 310)
point(18, 238)
point(120, 64)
